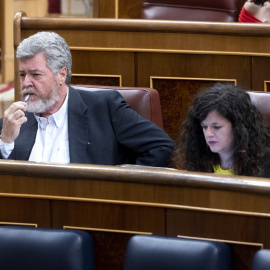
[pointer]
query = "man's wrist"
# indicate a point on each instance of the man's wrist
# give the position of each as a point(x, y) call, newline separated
point(2, 142)
point(6, 148)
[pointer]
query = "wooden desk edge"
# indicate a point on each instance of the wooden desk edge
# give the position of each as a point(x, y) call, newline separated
point(136, 174)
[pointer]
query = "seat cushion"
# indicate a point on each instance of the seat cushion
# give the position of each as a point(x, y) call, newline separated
point(261, 260)
point(34, 248)
point(159, 253)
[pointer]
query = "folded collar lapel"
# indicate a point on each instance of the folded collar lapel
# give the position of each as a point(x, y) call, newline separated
point(77, 127)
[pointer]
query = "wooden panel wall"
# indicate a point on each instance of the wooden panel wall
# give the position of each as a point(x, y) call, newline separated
point(115, 203)
point(176, 58)
point(124, 9)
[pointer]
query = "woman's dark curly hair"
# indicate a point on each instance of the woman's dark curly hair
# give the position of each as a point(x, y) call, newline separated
point(258, 2)
point(252, 140)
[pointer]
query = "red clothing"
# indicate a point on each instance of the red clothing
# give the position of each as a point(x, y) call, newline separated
point(247, 17)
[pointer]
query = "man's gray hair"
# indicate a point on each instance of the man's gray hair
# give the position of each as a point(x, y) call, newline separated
point(52, 46)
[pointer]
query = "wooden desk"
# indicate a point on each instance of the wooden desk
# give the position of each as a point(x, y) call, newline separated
point(114, 203)
point(175, 57)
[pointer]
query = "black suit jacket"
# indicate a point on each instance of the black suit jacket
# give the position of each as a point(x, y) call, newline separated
point(103, 129)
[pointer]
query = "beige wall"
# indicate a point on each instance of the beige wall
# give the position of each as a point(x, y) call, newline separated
point(7, 56)
point(33, 8)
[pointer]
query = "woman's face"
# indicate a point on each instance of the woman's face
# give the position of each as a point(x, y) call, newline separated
point(218, 133)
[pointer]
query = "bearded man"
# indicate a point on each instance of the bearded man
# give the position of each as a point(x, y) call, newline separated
point(56, 123)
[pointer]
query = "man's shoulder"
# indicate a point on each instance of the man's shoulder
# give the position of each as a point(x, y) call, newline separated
point(99, 95)
point(93, 91)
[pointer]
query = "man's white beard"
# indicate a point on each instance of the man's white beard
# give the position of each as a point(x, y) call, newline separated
point(43, 104)
point(40, 106)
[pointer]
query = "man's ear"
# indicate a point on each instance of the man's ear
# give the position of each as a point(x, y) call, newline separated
point(63, 74)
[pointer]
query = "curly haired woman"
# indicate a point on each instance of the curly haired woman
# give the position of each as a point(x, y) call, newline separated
point(224, 133)
point(257, 11)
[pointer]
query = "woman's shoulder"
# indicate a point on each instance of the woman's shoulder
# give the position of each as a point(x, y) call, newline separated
point(262, 13)
point(252, 8)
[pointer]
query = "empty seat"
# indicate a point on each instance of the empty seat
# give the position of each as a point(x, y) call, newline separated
point(192, 10)
point(45, 249)
point(159, 253)
point(261, 260)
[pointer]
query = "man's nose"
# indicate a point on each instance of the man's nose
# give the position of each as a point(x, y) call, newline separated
point(27, 81)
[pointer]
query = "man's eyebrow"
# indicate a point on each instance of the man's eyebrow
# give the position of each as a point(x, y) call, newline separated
point(31, 70)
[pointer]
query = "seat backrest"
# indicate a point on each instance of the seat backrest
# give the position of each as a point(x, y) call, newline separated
point(262, 102)
point(159, 253)
point(192, 10)
point(35, 248)
point(261, 260)
point(145, 101)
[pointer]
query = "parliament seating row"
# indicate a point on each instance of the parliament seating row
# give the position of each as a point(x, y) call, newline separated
point(192, 55)
point(146, 101)
point(57, 249)
point(177, 58)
